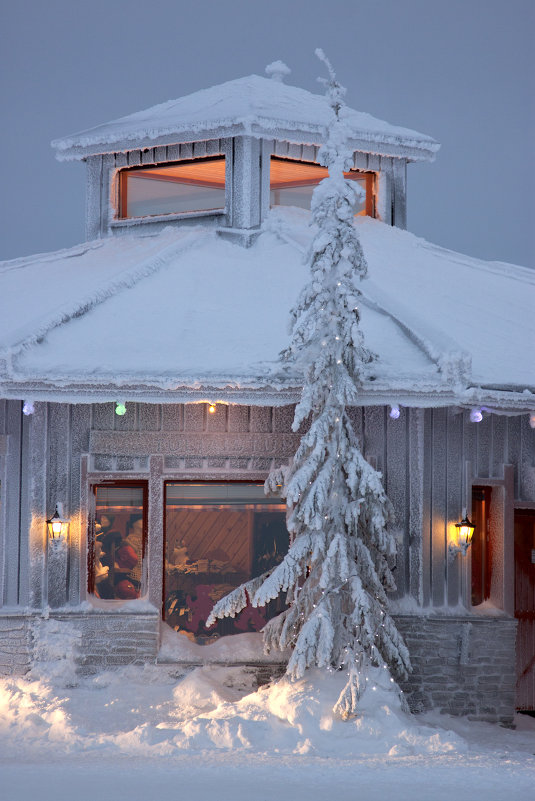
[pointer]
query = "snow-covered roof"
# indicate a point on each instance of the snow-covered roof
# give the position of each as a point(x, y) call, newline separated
point(185, 315)
point(260, 107)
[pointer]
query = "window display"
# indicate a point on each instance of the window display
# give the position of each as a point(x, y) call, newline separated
point(117, 544)
point(216, 537)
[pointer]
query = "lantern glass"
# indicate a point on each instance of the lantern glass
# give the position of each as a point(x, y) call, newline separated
point(465, 532)
point(57, 527)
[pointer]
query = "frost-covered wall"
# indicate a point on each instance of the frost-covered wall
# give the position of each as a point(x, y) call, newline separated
point(429, 460)
point(247, 198)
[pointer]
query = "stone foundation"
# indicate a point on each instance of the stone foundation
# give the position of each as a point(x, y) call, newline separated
point(462, 666)
point(112, 640)
point(16, 644)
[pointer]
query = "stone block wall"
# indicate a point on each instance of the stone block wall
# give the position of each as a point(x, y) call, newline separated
point(462, 666)
point(111, 640)
point(15, 645)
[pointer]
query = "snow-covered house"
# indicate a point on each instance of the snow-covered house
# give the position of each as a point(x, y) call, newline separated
point(143, 395)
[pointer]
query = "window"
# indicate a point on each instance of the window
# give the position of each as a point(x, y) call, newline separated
point(216, 537)
point(187, 186)
point(116, 569)
point(481, 546)
point(292, 184)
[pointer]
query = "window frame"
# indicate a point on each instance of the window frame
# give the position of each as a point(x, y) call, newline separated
point(122, 191)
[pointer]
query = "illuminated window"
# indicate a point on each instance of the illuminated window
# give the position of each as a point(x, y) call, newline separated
point(117, 542)
point(481, 545)
point(216, 537)
point(190, 186)
point(292, 184)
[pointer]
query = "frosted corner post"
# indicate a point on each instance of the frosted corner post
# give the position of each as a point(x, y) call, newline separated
point(338, 568)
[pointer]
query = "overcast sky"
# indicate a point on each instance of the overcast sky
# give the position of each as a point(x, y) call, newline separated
point(459, 70)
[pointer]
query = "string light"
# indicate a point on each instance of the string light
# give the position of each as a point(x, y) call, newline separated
point(120, 408)
point(476, 415)
point(211, 408)
point(532, 419)
point(394, 412)
point(28, 408)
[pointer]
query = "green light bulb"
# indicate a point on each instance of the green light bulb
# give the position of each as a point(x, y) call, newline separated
point(120, 409)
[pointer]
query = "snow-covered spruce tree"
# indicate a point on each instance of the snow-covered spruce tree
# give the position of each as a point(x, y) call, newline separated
point(338, 567)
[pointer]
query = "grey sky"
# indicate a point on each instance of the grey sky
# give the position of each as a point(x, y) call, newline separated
point(459, 70)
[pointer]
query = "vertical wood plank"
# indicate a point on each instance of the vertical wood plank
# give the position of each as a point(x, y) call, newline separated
point(399, 192)
point(149, 417)
point(34, 505)
point(499, 444)
point(513, 449)
point(454, 499)
point(93, 197)
point(265, 167)
point(80, 427)
point(12, 532)
point(260, 419)
point(199, 150)
point(527, 459)
point(374, 439)
point(173, 153)
point(155, 534)
point(427, 507)
point(194, 416)
point(396, 470)
point(238, 419)
point(107, 211)
point(213, 147)
point(172, 417)
point(416, 504)
point(439, 512)
point(147, 156)
point(484, 444)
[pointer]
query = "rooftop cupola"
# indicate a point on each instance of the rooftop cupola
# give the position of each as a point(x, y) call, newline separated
point(223, 156)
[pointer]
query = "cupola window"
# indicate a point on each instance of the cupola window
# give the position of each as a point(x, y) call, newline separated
point(188, 186)
point(292, 184)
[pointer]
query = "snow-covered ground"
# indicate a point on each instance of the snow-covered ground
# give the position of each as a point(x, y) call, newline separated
point(147, 733)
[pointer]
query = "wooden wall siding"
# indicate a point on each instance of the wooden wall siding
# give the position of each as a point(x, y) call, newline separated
point(422, 456)
point(451, 441)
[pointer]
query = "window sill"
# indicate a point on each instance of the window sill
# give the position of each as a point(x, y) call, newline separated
point(128, 222)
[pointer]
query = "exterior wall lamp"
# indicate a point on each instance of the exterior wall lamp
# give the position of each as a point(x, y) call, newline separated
point(57, 525)
point(465, 532)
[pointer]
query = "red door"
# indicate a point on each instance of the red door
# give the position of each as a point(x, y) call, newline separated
point(525, 607)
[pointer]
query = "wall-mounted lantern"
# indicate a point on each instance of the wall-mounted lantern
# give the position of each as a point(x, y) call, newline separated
point(57, 525)
point(465, 532)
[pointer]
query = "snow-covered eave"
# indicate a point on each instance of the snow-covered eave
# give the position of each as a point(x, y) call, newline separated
point(277, 392)
point(79, 147)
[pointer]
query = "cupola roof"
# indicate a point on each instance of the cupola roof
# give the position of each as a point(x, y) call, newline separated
point(255, 106)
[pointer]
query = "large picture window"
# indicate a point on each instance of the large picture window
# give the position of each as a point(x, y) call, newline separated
point(292, 184)
point(116, 568)
point(188, 186)
point(216, 537)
